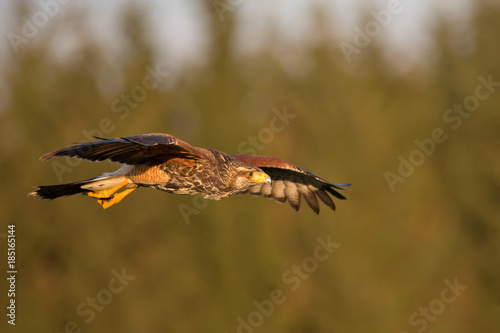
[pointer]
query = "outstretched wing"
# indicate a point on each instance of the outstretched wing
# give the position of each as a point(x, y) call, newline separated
point(153, 148)
point(290, 182)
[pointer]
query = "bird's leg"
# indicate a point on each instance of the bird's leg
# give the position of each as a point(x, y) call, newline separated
point(104, 194)
point(117, 197)
point(109, 197)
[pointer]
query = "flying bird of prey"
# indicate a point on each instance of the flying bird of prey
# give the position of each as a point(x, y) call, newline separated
point(163, 162)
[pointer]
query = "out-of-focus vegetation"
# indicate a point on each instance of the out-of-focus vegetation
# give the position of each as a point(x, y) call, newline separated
point(399, 243)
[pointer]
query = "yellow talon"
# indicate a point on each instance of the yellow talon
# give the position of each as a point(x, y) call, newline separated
point(103, 194)
point(115, 199)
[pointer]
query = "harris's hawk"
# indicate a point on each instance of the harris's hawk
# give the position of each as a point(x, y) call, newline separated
point(163, 162)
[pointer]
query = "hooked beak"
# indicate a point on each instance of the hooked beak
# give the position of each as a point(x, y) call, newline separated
point(261, 177)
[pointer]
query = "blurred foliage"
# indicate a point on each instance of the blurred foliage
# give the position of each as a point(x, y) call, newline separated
point(352, 123)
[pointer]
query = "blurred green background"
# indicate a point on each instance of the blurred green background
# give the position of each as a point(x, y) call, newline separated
point(403, 241)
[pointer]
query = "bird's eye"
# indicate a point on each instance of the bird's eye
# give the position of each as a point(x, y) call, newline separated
point(250, 174)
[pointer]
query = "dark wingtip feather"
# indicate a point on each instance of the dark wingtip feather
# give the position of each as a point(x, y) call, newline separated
point(335, 193)
point(311, 200)
point(46, 157)
point(327, 200)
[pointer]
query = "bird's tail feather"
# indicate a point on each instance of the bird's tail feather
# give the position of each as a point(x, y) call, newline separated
point(50, 192)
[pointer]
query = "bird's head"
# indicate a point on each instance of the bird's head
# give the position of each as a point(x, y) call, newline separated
point(248, 175)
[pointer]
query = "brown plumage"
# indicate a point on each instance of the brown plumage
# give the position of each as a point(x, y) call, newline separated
point(163, 162)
